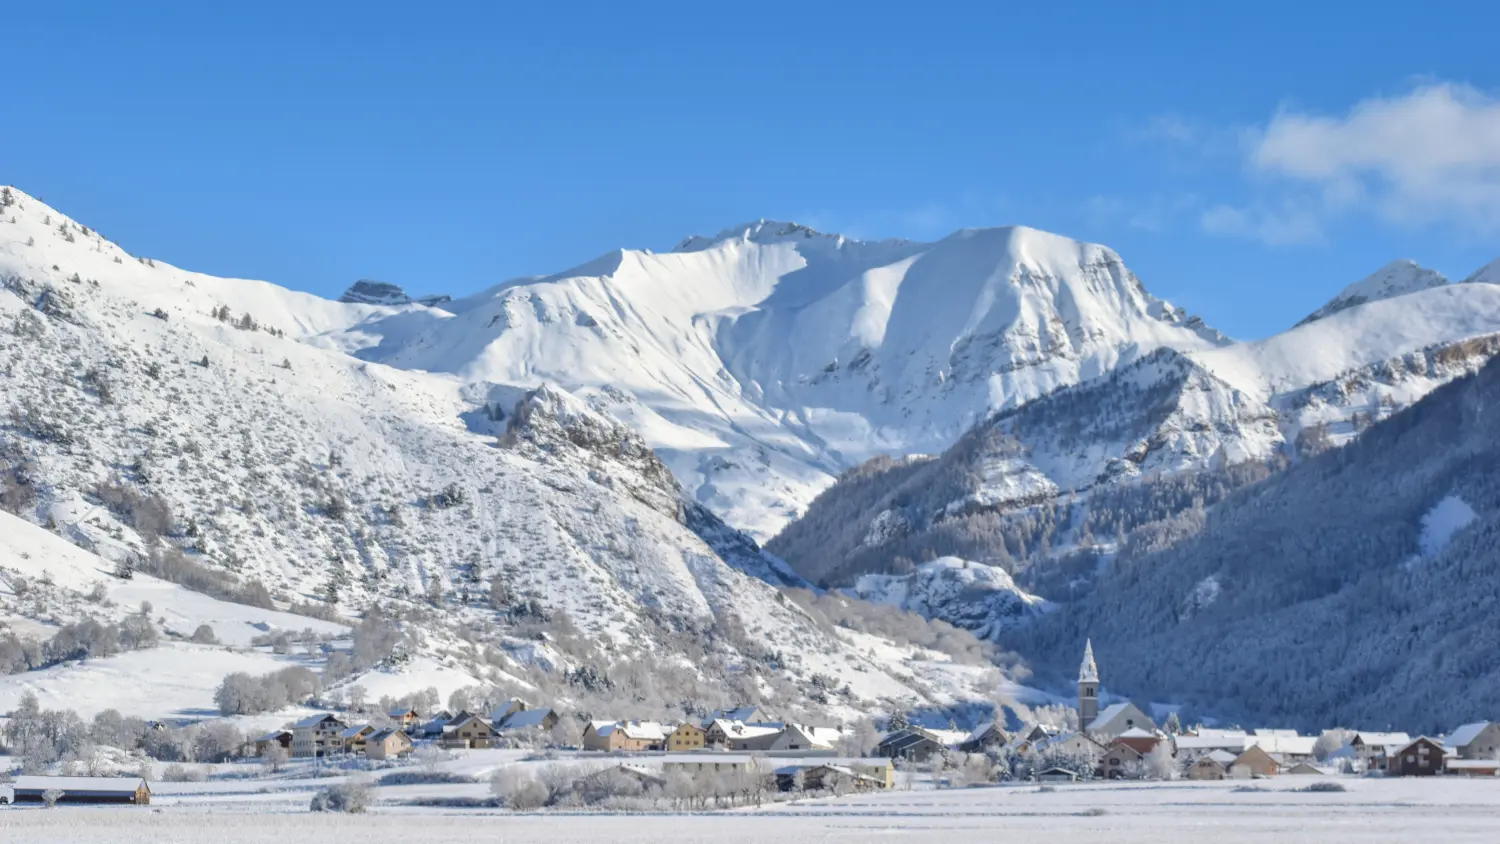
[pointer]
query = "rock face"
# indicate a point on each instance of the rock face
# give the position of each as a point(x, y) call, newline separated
point(370, 292)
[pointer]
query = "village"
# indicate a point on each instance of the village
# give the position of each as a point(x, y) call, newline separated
point(745, 753)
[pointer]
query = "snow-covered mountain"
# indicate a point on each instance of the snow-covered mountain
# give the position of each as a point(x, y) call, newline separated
point(1393, 279)
point(1169, 413)
point(761, 362)
point(974, 596)
point(144, 401)
point(370, 292)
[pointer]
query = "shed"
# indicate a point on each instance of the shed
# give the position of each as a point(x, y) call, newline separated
point(30, 789)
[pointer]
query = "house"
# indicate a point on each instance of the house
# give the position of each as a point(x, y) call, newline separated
point(527, 721)
point(1122, 761)
point(687, 736)
point(1213, 765)
point(507, 709)
point(986, 736)
point(1077, 746)
point(880, 772)
point(132, 790)
point(802, 737)
point(468, 731)
point(1480, 740)
point(1254, 763)
point(1057, 774)
point(754, 736)
point(1304, 769)
point(317, 735)
point(1206, 741)
point(1373, 750)
point(1421, 758)
point(388, 744)
point(910, 743)
point(352, 739)
point(1117, 718)
point(694, 764)
point(433, 728)
point(1286, 746)
point(262, 745)
point(405, 719)
point(618, 736)
point(1030, 737)
point(1139, 740)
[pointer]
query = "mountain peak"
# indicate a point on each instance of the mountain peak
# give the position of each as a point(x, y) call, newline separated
point(1394, 279)
point(1487, 274)
point(368, 291)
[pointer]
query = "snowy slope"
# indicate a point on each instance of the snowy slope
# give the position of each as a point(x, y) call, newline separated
point(323, 476)
point(974, 596)
point(764, 360)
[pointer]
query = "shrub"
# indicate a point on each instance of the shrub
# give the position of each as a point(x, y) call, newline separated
point(351, 796)
point(1324, 787)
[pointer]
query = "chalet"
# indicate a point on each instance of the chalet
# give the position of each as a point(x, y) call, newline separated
point(527, 722)
point(405, 719)
point(986, 736)
point(687, 736)
point(1213, 765)
point(133, 790)
point(1077, 745)
point(388, 744)
point(1118, 718)
point(262, 745)
point(353, 739)
point(1373, 750)
point(469, 731)
point(1480, 740)
point(1421, 758)
point(618, 736)
point(918, 744)
point(1031, 737)
point(317, 735)
point(802, 737)
point(1254, 763)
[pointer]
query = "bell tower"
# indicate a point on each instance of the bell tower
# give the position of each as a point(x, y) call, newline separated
point(1088, 688)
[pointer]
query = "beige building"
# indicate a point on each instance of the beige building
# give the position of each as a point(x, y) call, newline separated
point(623, 736)
point(1213, 765)
point(468, 731)
point(1480, 740)
point(687, 737)
point(388, 744)
point(317, 735)
point(1255, 762)
point(352, 740)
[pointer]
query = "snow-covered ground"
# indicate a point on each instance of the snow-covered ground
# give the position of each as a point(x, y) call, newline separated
point(1378, 811)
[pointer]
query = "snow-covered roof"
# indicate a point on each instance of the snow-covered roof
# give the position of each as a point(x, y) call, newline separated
point(1136, 733)
point(1462, 736)
point(1261, 732)
point(1088, 671)
point(1383, 739)
point(274, 735)
point(739, 713)
point(526, 719)
point(110, 785)
point(315, 720)
point(1223, 757)
point(1214, 739)
point(385, 734)
point(1471, 764)
point(1111, 713)
point(1285, 745)
point(705, 759)
point(356, 731)
point(642, 730)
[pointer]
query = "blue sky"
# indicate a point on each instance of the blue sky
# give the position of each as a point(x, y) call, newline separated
point(1247, 164)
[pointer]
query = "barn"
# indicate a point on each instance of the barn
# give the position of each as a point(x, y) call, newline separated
point(134, 790)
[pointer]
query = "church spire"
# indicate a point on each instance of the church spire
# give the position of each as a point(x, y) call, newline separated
point(1088, 672)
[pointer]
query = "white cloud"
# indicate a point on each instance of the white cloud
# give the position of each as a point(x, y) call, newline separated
point(1286, 225)
point(1155, 213)
point(1429, 156)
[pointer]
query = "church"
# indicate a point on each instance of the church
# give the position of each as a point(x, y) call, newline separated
point(1116, 719)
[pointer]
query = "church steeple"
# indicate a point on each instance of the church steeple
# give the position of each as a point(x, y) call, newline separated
point(1088, 687)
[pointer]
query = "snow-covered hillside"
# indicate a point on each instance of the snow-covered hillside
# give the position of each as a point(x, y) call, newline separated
point(142, 400)
point(970, 595)
point(761, 362)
